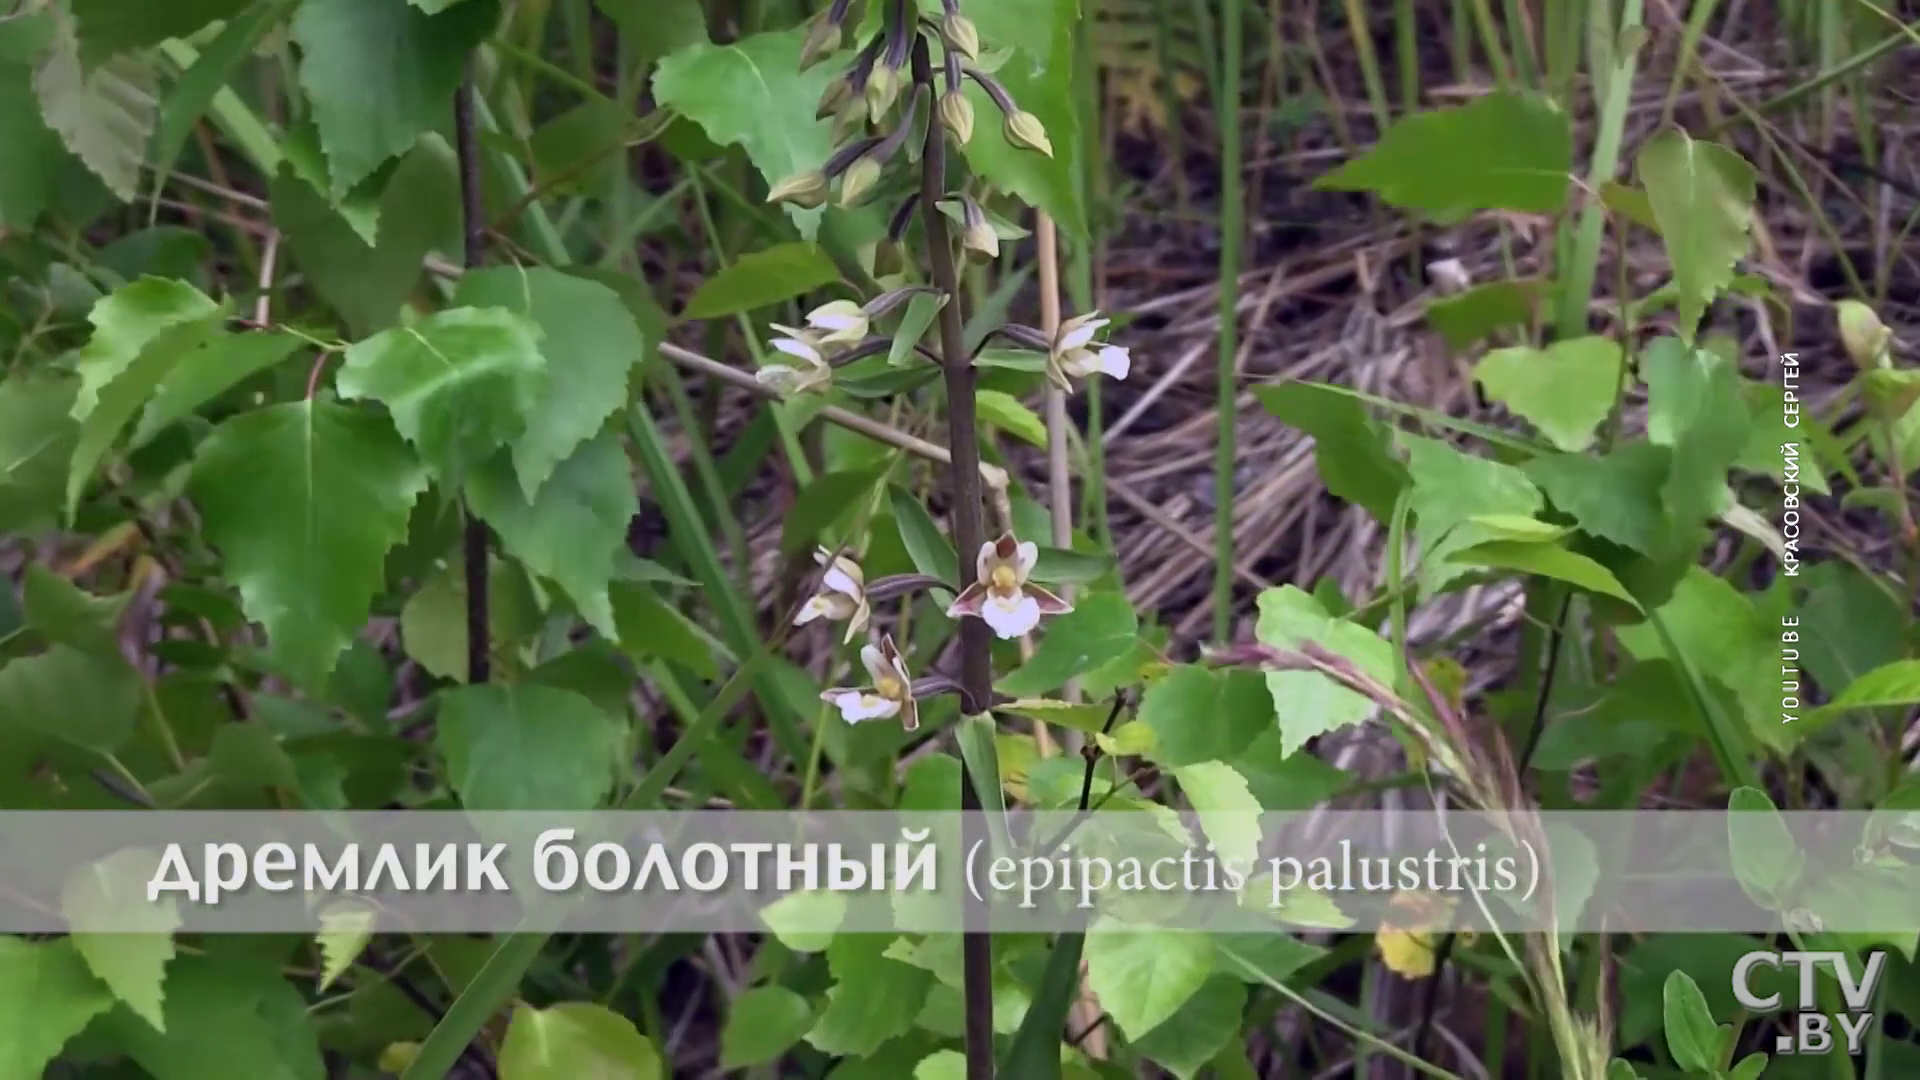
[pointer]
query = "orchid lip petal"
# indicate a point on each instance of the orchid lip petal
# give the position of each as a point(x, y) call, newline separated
point(1011, 620)
point(1115, 362)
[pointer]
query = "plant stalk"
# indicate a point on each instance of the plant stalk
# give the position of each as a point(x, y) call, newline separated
point(474, 540)
point(969, 532)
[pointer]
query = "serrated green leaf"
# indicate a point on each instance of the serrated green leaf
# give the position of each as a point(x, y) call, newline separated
point(1200, 714)
point(1308, 702)
point(806, 922)
point(761, 279)
point(366, 274)
point(1450, 489)
point(459, 383)
point(1702, 197)
point(590, 342)
point(1565, 390)
point(575, 1040)
point(47, 996)
point(107, 27)
point(1004, 411)
point(378, 73)
point(37, 439)
point(1521, 159)
point(764, 1023)
point(126, 940)
point(752, 94)
point(215, 367)
point(1350, 449)
point(1722, 634)
point(1893, 684)
point(141, 332)
point(104, 114)
point(433, 623)
point(1695, 406)
point(874, 998)
point(238, 1012)
point(1100, 629)
point(1547, 560)
point(1144, 976)
point(573, 530)
point(1199, 1029)
point(1615, 497)
point(1477, 312)
point(63, 613)
point(1067, 714)
point(1229, 814)
point(308, 551)
point(345, 929)
point(527, 747)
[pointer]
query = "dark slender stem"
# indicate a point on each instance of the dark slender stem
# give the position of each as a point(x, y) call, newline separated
point(474, 535)
point(969, 532)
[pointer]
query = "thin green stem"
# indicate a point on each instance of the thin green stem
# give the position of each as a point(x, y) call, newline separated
point(1232, 229)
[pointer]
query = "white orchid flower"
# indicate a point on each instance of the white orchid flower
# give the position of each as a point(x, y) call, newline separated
point(842, 595)
point(811, 373)
point(839, 323)
point(1002, 597)
point(890, 695)
point(1074, 354)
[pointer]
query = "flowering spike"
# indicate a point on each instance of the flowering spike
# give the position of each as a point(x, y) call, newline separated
point(1002, 596)
point(890, 695)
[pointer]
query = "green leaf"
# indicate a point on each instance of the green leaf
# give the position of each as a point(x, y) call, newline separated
point(240, 1013)
point(1893, 684)
point(1209, 1021)
point(459, 384)
point(1765, 857)
point(1615, 497)
point(1720, 632)
point(36, 158)
point(1861, 625)
point(37, 439)
point(1450, 489)
point(1694, 405)
point(1348, 446)
point(65, 614)
point(307, 552)
point(130, 958)
point(193, 94)
point(1476, 313)
point(47, 996)
point(575, 1040)
point(1100, 629)
point(345, 929)
point(753, 94)
point(1565, 390)
point(1546, 560)
point(104, 114)
point(764, 1023)
point(366, 275)
point(1520, 159)
point(1038, 75)
point(1144, 976)
point(926, 545)
point(590, 342)
point(1702, 197)
point(656, 28)
point(873, 998)
point(82, 699)
point(1004, 411)
point(217, 366)
point(1059, 566)
point(1692, 1036)
point(652, 629)
point(763, 278)
point(527, 747)
point(1205, 714)
point(1229, 814)
point(922, 308)
point(140, 334)
point(433, 622)
point(378, 73)
point(1309, 702)
point(114, 26)
point(806, 922)
point(941, 1065)
point(572, 532)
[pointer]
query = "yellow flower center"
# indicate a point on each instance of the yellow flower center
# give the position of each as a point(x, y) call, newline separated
point(1003, 579)
point(890, 688)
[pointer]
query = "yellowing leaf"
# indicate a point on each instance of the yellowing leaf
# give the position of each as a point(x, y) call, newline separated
point(1407, 939)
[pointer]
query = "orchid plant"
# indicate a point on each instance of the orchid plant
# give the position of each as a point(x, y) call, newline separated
point(876, 104)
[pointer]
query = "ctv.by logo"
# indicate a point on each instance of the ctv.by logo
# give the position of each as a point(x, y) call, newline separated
point(1813, 1030)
